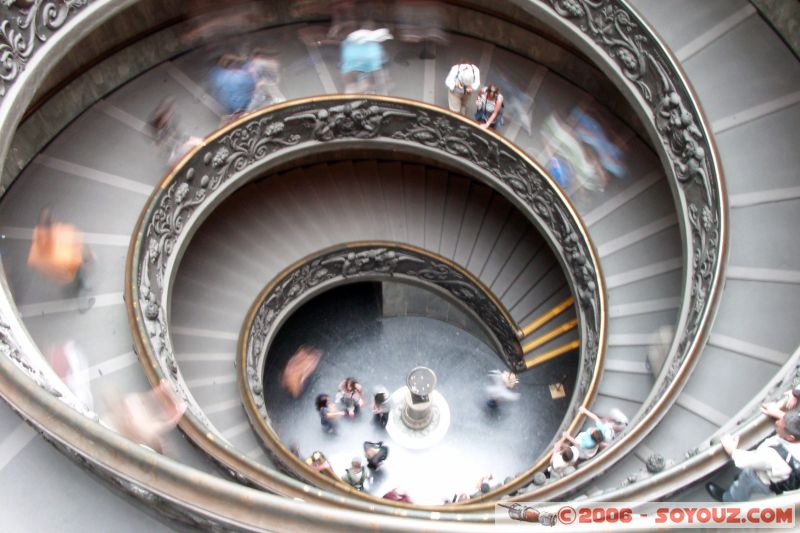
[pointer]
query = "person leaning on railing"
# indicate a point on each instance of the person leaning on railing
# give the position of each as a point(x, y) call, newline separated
point(463, 79)
point(772, 468)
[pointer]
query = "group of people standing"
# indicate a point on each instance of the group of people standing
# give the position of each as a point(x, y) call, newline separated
point(463, 84)
point(350, 395)
point(570, 450)
point(773, 467)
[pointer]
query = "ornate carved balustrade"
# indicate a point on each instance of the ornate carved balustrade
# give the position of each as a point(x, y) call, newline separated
point(354, 262)
point(248, 148)
point(35, 34)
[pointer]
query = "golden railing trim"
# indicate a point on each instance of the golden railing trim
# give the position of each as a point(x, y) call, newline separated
point(547, 317)
point(552, 354)
point(550, 335)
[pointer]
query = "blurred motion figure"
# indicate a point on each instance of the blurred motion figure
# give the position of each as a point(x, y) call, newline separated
point(145, 418)
point(59, 253)
point(299, 368)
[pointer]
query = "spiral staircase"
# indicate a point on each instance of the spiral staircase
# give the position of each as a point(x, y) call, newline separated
point(78, 141)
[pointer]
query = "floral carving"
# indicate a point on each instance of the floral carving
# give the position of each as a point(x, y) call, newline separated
point(19, 35)
point(615, 29)
point(358, 119)
point(369, 261)
point(235, 153)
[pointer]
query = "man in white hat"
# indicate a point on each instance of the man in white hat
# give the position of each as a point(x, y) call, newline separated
point(463, 79)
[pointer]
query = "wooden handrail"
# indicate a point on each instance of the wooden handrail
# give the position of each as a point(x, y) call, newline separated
point(550, 335)
point(547, 317)
point(552, 354)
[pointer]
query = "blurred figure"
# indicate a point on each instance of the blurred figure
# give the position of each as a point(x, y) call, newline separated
point(563, 144)
point(351, 394)
point(376, 453)
point(559, 170)
point(72, 367)
point(363, 59)
point(500, 388)
point(356, 476)
point(58, 252)
point(659, 348)
point(327, 413)
point(486, 484)
point(580, 153)
point(564, 455)
point(319, 463)
point(265, 67)
point(611, 425)
point(169, 138)
point(463, 79)
point(299, 368)
point(342, 17)
point(233, 85)
point(146, 417)
point(419, 21)
point(595, 139)
point(398, 495)
point(212, 21)
point(489, 107)
point(381, 406)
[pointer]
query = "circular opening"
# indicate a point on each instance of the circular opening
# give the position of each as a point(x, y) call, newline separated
point(379, 333)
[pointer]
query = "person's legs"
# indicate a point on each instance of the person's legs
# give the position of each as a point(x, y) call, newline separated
point(454, 101)
point(498, 120)
point(464, 104)
point(349, 405)
point(82, 282)
point(743, 487)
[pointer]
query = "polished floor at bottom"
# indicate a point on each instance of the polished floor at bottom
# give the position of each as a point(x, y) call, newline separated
point(346, 324)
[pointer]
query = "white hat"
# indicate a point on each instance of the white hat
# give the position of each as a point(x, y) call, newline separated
point(466, 74)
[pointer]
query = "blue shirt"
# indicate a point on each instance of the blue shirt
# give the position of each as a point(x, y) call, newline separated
point(233, 88)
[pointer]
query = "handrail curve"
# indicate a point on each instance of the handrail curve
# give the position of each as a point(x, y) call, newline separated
point(674, 118)
point(334, 266)
point(252, 145)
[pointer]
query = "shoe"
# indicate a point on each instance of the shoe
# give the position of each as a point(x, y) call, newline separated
point(715, 491)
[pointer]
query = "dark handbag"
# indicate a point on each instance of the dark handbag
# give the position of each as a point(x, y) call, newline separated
point(793, 481)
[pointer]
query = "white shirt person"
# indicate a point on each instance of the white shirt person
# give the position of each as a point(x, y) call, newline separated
point(462, 80)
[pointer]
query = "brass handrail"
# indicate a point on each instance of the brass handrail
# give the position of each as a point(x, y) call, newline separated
point(547, 317)
point(552, 354)
point(546, 337)
point(713, 250)
point(206, 175)
point(256, 335)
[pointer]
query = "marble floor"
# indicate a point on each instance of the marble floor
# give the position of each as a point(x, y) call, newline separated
point(346, 324)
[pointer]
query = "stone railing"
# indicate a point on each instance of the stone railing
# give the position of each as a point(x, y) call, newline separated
point(750, 425)
point(250, 147)
point(350, 263)
point(621, 43)
point(607, 31)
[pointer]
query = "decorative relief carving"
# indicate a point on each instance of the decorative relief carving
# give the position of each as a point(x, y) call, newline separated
point(36, 370)
point(373, 261)
point(617, 32)
point(25, 24)
point(246, 145)
point(359, 120)
point(10, 349)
